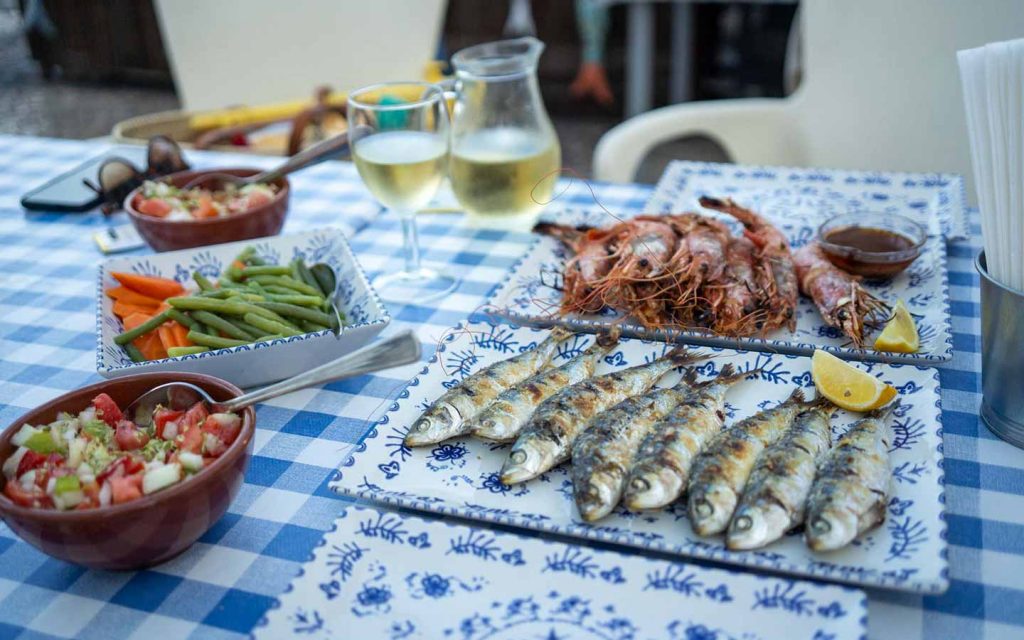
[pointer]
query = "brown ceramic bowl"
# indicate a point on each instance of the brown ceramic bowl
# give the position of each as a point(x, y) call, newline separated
point(151, 529)
point(168, 235)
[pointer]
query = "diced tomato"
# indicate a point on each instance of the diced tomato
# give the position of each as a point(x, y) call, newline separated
point(205, 208)
point(31, 460)
point(13, 490)
point(223, 425)
point(107, 410)
point(192, 440)
point(129, 437)
point(126, 489)
point(194, 417)
point(154, 207)
point(162, 417)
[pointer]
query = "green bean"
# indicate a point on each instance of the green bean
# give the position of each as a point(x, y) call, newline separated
point(181, 318)
point(220, 324)
point(255, 261)
point(246, 253)
point(248, 297)
point(229, 284)
point(204, 284)
point(272, 336)
point(305, 275)
point(246, 327)
point(270, 326)
point(284, 291)
point(296, 298)
point(268, 270)
point(217, 293)
point(295, 311)
point(144, 328)
point(311, 327)
point(134, 353)
point(290, 283)
point(214, 342)
point(174, 352)
point(230, 307)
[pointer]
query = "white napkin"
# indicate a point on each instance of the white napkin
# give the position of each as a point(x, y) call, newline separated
point(993, 84)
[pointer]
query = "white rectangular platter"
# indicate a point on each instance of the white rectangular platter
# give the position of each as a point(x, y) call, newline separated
point(394, 577)
point(797, 201)
point(460, 477)
point(262, 362)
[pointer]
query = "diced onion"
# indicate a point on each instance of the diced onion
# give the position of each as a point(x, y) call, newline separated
point(161, 478)
point(11, 464)
point(26, 432)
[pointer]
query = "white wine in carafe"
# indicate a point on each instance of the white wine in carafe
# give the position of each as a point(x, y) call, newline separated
point(504, 171)
point(402, 169)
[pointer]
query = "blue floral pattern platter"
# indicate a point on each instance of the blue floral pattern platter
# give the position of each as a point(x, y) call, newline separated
point(797, 201)
point(460, 477)
point(262, 362)
point(395, 577)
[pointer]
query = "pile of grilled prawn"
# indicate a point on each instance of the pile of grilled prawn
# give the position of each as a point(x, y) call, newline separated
point(645, 447)
point(687, 271)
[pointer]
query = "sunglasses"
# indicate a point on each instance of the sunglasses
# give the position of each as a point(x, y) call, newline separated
point(118, 177)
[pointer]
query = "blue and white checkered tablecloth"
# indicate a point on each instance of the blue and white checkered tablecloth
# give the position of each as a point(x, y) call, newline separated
point(228, 580)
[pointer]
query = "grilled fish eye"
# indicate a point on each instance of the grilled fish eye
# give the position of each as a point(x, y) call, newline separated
point(704, 508)
point(640, 484)
point(821, 525)
point(518, 456)
point(422, 424)
point(743, 523)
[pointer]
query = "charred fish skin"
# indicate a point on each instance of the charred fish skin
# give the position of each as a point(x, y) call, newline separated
point(775, 496)
point(448, 416)
point(721, 471)
point(662, 466)
point(547, 439)
point(602, 455)
point(851, 492)
point(505, 417)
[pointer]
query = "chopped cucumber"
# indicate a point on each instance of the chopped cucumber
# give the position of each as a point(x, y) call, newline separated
point(43, 442)
point(68, 499)
point(65, 484)
point(161, 478)
point(75, 452)
point(192, 462)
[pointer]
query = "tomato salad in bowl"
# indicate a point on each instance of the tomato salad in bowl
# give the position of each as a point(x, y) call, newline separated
point(163, 200)
point(101, 457)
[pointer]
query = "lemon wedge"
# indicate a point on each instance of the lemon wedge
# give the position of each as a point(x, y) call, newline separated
point(846, 385)
point(900, 334)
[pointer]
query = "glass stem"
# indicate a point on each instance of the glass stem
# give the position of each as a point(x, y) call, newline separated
point(411, 241)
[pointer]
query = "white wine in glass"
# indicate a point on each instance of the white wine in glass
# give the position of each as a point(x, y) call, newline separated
point(401, 153)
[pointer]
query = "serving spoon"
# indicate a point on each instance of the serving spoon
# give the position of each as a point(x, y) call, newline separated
point(305, 158)
point(395, 351)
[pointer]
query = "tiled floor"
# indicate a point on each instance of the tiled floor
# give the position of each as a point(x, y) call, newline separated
point(33, 106)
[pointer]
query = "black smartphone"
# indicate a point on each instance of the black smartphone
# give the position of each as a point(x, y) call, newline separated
point(68, 192)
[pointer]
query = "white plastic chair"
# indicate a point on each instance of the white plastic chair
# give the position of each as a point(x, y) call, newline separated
point(880, 91)
point(233, 52)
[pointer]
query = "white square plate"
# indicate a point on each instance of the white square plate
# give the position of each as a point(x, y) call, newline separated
point(391, 576)
point(797, 201)
point(460, 477)
point(263, 362)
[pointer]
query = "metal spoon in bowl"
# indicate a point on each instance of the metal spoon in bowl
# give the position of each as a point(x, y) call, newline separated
point(392, 352)
point(305, 158)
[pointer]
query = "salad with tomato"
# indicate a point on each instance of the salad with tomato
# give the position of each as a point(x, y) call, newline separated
point(162, 200)
point(101, 457)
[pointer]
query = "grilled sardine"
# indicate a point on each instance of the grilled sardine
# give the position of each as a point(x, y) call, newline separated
point(449, 415)
point(548, 438)
point(773, 500)
point(851, 491)
point(505, 417)
point(721, 471)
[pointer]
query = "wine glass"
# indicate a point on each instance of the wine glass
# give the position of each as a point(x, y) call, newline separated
point(400, 133)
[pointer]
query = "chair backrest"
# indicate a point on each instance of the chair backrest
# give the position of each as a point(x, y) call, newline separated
point(881, 86)
point(232, 52)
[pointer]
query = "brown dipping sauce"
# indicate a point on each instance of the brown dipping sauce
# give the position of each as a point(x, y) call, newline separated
point(886, 245)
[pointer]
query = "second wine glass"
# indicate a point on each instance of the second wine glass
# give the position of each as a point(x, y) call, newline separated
point(400, 147)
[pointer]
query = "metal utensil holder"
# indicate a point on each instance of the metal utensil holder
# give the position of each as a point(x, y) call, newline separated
point(1002, 357)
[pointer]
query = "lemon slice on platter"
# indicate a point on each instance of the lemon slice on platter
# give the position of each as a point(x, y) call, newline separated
point(900, 333)
point(846, 385)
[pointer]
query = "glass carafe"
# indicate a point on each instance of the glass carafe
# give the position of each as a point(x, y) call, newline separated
point(505, 155)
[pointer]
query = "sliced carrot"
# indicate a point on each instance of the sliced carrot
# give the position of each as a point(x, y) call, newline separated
point(163, 306)
point(150, 346)
point(152, 286)
point(124, 294)
point(181, 335)
point(166, 334)
point(236, 263)
point(135, 319)
point(123, 309)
